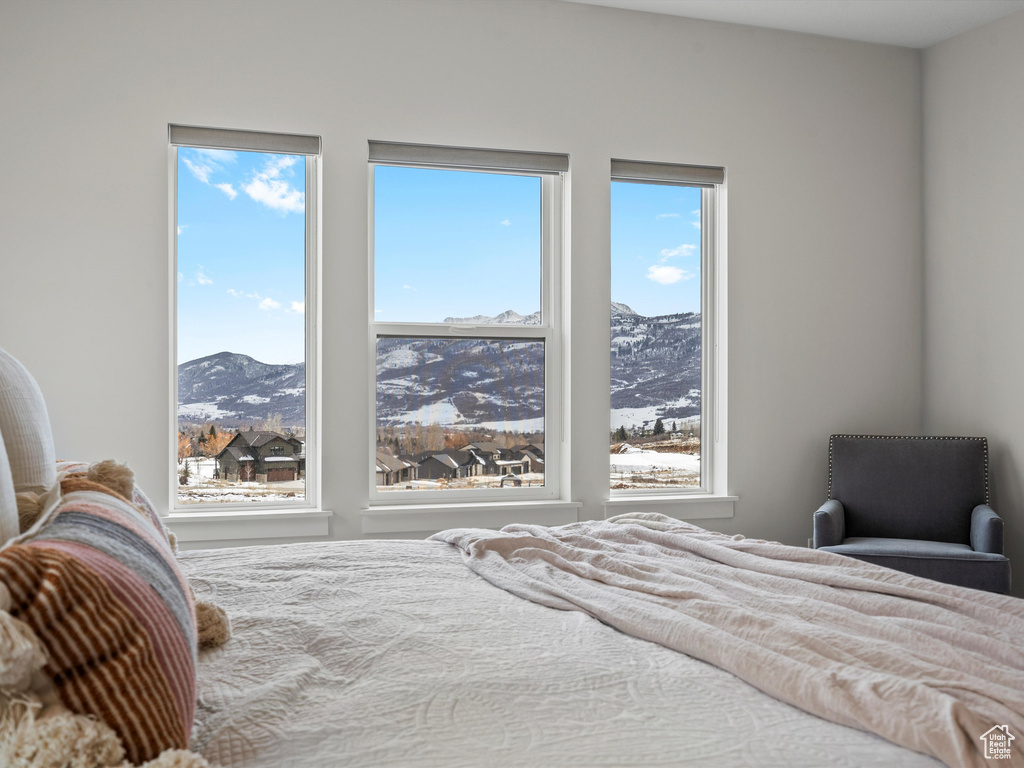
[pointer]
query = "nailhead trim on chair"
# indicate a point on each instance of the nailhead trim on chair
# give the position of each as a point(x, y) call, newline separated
point(984, 441)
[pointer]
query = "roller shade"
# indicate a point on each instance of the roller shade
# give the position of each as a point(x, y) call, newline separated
point(460, 157)
point(666, 173)
point(253, 141)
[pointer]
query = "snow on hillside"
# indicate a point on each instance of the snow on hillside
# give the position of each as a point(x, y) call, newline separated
point(442, 412)
point(638, 417)
point(202, 412)
point(522, 426)
point(508, 317)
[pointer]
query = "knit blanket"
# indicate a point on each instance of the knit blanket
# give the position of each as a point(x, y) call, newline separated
point(932, 667)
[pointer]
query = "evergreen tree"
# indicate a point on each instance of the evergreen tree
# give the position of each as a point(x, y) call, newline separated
point(620, 434)
point(659, 428)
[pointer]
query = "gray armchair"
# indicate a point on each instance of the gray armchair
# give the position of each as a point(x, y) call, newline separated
point(916, 504)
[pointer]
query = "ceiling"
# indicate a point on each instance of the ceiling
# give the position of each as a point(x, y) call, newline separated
point(911, 23)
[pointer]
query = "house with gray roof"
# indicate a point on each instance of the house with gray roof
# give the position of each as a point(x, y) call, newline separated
point(262, 457)
point(392, 470)
point(449, 464)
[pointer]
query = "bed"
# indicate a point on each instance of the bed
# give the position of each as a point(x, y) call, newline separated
point(395, 653)
point(582, 645)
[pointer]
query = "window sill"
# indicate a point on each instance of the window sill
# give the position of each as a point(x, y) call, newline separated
point(421, 518)
point(248, 524)
point(681, 507)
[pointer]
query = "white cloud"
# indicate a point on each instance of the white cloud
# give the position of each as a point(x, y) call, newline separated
point(181, 228)
point(666, 275)
point(506, 223)
point(180, 277)
point(202, 278)
point(667, 216)
point(267, 304)
point(203, 162)
point(697, 214)
point(682, 250)
point(410, 288)
point(268, 188)
point(199, 169)
point(217, 156)
point(228, 190)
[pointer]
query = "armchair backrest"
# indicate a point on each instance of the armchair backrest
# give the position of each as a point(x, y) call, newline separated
point(909, 487)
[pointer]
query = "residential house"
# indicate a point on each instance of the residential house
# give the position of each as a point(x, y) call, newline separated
point(392, 470)
point(263, 457)
point(488, 453)
point(532, 454)
point(448, 464)
point(497, 460)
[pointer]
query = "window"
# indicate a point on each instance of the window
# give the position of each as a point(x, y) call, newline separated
point(244, 257)
point(466, 323)
point(663, 326)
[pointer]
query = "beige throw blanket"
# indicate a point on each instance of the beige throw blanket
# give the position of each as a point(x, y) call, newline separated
point(926, 665)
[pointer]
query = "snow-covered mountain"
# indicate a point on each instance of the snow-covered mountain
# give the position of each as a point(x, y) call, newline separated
point(460, 381)
point(655, 371)
point(621, 310)
point(508, 317)
point(232, 389)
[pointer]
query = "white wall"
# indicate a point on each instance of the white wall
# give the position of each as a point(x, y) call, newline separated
point(974, 273)
point(821, 139)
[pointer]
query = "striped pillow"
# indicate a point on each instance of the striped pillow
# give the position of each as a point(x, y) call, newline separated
point(100, 587)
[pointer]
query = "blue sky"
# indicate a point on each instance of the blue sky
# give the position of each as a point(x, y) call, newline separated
point(454, 244)
point(241, 255)
point(655, 247)
point(447, 244)
point(460, 243)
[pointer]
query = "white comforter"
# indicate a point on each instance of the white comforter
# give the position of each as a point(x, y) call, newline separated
point(393, 653)
point(926, 665)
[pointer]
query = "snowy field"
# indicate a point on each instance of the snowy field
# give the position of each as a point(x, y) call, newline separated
point(635, 467)
point(203, 489)
point(530, 480)
point(639, 459)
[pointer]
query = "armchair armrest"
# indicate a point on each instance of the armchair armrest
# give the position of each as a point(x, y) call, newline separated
point(986, 530)
point(830, 524)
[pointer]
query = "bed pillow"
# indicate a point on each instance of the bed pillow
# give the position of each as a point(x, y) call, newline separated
point(98, 584)
point(25, 427)
point(8, 502)
point(72, 470)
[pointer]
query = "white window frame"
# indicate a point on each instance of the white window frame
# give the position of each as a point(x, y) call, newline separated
point(275, 518)
point(711, 499)
point(551, 169)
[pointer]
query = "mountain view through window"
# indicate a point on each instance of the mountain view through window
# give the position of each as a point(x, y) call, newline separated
point(241, 330)
point(455, 248)
point(655, 430)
